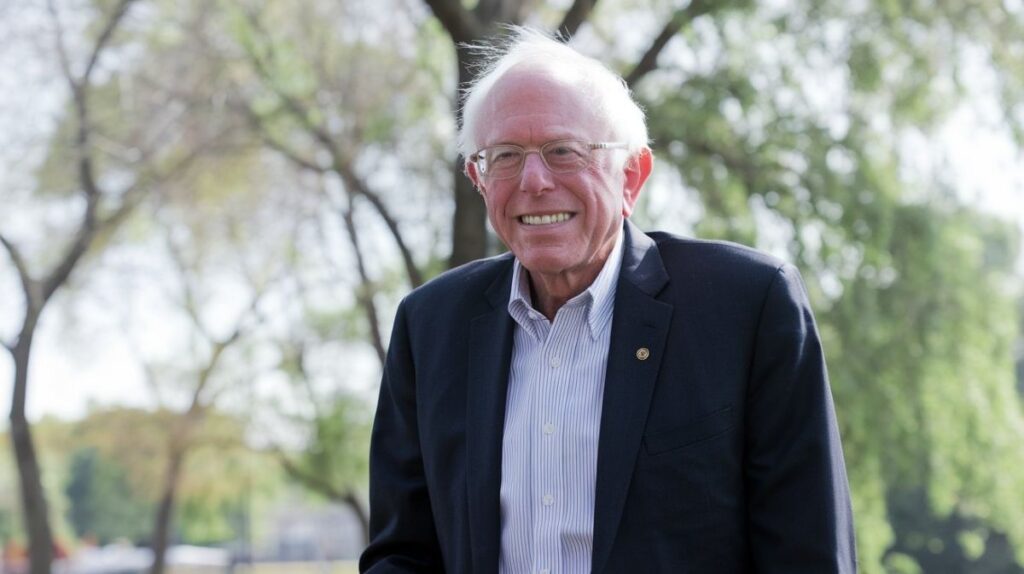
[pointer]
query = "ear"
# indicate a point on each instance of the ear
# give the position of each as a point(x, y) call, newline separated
point(469, 168)
point(636, 171)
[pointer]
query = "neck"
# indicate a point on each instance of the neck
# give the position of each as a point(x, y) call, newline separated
point(549, 292)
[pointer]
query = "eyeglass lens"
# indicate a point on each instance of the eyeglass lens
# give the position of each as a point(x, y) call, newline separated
point(503, 161)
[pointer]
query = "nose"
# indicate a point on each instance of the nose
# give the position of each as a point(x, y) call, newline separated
point(536, 178)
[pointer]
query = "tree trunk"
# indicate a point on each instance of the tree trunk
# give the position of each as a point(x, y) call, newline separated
point(469, 223)
point(165, 512)
point(33, 498)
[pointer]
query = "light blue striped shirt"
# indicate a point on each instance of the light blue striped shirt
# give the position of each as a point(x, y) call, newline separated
point(552, 422)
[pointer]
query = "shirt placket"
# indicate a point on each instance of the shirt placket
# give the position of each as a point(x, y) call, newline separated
point(549, 438)
point(544, 455)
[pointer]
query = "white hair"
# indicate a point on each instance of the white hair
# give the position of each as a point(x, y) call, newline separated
point(607, 91)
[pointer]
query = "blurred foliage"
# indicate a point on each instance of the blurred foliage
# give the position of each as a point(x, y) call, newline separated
point(137, 441)
point(8, 521)
point(952, 543)
point(103, 506)
point(107, 470)
point(336, 453)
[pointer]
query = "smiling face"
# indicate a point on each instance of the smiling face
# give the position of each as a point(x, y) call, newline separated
point(561, 227)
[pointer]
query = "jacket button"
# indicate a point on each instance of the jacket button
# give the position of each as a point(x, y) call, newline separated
point(642, 353)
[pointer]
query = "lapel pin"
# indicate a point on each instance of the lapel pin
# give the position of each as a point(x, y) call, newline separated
point(642, 353)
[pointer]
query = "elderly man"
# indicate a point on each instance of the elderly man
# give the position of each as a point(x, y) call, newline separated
point(600, 399)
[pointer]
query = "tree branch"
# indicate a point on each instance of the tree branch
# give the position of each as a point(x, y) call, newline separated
point(132, 196)
point(62, 51)
point(304, 379)
point(198, 407)
point(365, 293)
point(322, 485)
point(27, 282)
point(341, 164)
point(292, 155)
point(101, 42)
point(260, 125)
point(83, 239)
point(78, 94)
point(354, 182)
point(461, 24)
point(149, 372)
point(80, 85)
point(649, 61)
point(575, 17)
point(88, 228)
point(291, 104)
point(343, 167)
point(188, 294)
point(310, 479)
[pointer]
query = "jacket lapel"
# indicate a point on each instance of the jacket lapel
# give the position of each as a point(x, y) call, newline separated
point(640, 322)
point(490, 356)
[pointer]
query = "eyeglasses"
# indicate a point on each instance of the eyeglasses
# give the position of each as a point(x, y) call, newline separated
point(506, 161)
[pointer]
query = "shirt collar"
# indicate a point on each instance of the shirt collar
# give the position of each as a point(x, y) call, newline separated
point(599, 297)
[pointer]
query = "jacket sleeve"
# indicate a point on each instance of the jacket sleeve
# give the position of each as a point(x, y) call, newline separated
point(798, 499)
point(402, 534)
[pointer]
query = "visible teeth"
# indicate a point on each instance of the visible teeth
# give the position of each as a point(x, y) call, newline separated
point(545, 219)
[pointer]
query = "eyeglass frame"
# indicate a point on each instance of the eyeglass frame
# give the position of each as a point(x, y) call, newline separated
point(475, 157)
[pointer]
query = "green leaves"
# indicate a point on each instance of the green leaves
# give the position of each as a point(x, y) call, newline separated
point(102, 504)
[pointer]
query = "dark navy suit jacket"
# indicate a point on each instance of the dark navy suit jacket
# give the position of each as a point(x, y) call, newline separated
point(719, 453)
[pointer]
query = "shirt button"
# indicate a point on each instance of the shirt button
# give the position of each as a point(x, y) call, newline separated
point(555, 361)
point(548, 500)
point(549, 428)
